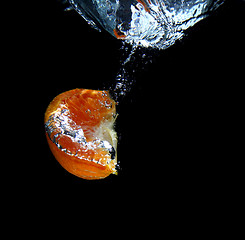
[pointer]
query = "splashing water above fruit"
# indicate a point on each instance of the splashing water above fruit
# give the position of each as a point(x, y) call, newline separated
point(153, 24)
point(147, 23)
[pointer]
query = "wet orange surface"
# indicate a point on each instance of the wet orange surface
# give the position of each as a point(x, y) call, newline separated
point(79, 130)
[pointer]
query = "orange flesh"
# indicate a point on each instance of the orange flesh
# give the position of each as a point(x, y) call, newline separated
point(118, 34)
point(144, 5)
point(85, 111)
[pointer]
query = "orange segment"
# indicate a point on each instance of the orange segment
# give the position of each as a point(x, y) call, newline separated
point(79, 129)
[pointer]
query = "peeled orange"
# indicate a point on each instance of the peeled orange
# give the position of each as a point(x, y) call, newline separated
point(79, 126)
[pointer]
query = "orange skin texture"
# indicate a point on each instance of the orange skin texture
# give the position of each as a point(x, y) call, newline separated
point(87, 110)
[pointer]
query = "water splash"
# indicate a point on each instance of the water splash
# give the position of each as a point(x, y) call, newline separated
point(147, 23)
point(152, 24)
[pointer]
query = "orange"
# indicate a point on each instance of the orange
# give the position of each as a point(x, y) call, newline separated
point(79, 126)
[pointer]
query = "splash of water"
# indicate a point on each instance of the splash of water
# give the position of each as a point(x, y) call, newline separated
point(154, 24)
point(147, 23)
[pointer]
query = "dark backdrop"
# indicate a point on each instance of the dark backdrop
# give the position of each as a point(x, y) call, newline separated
point(176, 127)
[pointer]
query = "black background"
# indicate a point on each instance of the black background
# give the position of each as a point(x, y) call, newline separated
point(176, 127)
